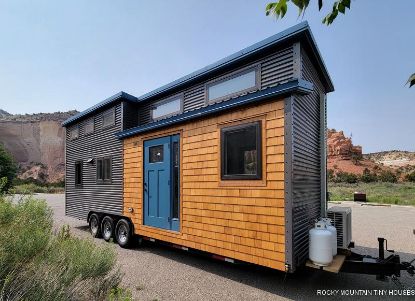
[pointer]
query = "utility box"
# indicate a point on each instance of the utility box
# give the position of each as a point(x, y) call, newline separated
point(359, 197)
point(341, 218)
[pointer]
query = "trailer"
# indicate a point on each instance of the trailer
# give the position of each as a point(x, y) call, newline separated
point(228, 160)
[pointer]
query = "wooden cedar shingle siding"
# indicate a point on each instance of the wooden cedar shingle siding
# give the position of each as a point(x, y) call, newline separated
point(275, 69)
point(102, 142)
point(306, 160)
point(238, 219)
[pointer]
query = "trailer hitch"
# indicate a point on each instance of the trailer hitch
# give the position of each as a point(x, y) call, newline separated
point(382, 267)
point(410, 268)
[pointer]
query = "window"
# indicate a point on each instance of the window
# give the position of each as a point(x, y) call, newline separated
point(89, 126)
point(156, 154)
point(241, 152)
point(166, 108)
point(74, 133)
point(104, 170)
point(78, 174)
point(229, 86)
point(108, 118)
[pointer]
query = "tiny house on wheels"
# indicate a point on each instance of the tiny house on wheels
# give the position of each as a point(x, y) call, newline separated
point(228, 160)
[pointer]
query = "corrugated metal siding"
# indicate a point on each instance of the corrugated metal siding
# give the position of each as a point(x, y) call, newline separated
point(275, 69)
point(306, 162)
point(144, 113)
point(194, 98)
point(129, 115)
point(93, 196)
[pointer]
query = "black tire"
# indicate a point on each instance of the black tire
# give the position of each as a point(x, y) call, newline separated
point(123, 233)
point(94, 225)
point(107, 228)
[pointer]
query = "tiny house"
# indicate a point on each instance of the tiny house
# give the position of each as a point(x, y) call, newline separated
point(229, 159)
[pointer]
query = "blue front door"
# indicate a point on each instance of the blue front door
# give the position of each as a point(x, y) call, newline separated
point(161, 182)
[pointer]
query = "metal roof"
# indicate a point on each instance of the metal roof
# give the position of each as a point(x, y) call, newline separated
point(296, 85)
point(300, 31)
point(297, 30)
point(102, 104)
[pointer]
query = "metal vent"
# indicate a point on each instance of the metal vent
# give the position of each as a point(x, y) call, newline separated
point(341, 218)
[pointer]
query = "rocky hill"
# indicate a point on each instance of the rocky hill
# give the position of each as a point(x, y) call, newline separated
point(36, 142)
point(394, 158)
point(343, 156)
point(4, 114)
point(402, 162)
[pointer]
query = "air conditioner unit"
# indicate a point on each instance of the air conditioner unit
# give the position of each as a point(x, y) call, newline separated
point(341, 218)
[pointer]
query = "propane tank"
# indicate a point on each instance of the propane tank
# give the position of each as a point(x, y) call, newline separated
point(333, 231)
point(320, 244)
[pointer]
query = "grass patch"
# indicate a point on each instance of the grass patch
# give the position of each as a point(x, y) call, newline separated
point(377, 192)
point(38, 264)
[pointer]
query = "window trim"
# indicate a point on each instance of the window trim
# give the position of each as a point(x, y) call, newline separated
point(223, 131)
point(180, 96)
point(103, 181)
point(80, 162)
point(70, 132)
point(255, 67)
point(107, 112)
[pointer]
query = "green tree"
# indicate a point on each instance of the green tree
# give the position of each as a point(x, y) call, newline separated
point(330, 175)
point(345, 177)
point(8, 168)
point(411, 80)
point(388, 176)
point(368, 177)
point(279, 9)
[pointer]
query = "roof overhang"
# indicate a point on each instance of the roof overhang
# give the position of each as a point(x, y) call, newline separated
point(300, 32)
point(295, 86)
point(315, 55)
point(100, 106)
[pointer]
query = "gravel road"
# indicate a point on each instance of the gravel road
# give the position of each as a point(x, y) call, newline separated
point(154, 272)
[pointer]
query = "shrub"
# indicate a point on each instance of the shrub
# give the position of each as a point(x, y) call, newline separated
point(368, 177)
point(388, 176)
point(346, 177)
point(36, 264)
point(410, 177)
point(330, 175)
point(356, 158)
point(8, 168)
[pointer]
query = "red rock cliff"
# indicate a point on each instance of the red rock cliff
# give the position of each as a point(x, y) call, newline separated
point(339, 146)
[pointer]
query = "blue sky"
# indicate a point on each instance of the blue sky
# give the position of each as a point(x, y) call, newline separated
point(57, 56)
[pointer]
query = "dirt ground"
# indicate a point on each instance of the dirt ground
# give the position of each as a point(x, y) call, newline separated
point(154, 272)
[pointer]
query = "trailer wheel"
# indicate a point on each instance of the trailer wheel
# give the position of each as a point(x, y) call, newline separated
point(123, 233)
point(94, 227)
point(107, 227)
